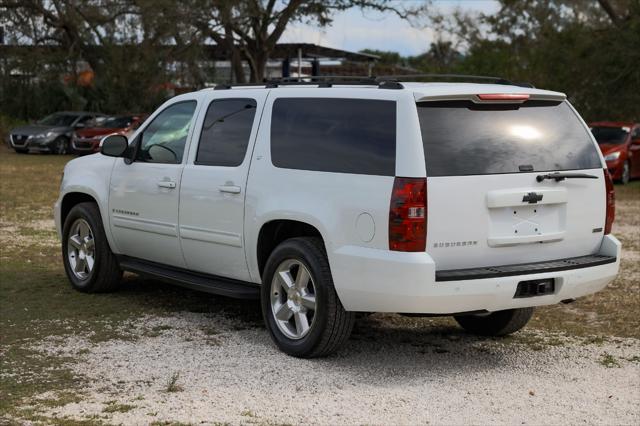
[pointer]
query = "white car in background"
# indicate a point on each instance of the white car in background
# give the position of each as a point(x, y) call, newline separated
point(325, 199)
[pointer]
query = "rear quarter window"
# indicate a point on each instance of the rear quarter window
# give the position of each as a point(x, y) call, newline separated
point(334, 135)
point(464, 138)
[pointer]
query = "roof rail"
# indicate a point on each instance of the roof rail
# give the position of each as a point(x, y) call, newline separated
point(383, 82)
point(320, 81)
point(495, 80)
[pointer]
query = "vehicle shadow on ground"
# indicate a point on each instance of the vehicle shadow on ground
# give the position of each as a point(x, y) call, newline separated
point(383, 348)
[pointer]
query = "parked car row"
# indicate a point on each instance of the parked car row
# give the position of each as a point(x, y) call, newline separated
point(69, 132)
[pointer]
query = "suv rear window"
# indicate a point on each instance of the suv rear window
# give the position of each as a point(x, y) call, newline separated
point(334, 135)
point(464, 138)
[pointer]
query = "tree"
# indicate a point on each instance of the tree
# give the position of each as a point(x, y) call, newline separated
point(587, 49)
point(256, 25)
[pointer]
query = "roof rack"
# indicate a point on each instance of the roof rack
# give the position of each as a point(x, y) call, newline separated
point(320, 81)
point(383, 82)
point(470, 77)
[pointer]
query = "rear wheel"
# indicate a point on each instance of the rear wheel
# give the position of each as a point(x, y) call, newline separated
point(88, 261)
point(299, 303)
point(498, 323)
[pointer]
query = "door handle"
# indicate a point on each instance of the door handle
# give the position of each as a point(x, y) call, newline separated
point(166, 184)
point(231, 189)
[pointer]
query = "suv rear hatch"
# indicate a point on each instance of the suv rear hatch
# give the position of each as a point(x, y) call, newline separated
point(486, 205)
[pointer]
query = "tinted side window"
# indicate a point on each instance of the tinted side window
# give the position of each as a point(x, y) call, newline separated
point(334, 135)
point(225, 132)
point(164, 138)
point(463, 138)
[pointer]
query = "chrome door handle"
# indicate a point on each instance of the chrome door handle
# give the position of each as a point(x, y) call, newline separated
point(166, 184)
point(231, 189)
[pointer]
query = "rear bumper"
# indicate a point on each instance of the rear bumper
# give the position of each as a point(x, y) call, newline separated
point(382, 281)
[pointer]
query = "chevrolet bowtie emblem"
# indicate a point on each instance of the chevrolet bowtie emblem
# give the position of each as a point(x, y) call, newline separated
point(532, 198)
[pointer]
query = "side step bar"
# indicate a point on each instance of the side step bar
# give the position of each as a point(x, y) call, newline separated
point(524, 268)
point(192, 280)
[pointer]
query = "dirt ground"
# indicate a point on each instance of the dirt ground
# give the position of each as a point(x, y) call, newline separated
point(156, 354)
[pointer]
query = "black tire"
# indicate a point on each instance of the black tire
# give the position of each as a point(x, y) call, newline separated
point(498, 323)
point(106, 274)
point(331, 324)
point(21, 151)
point(60, 146)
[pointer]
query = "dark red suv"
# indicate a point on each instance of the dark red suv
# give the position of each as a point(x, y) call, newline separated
point(620, 145)
point(87, 141)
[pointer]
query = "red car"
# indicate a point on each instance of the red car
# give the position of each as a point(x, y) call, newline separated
point(87, 140)
point(620, 145)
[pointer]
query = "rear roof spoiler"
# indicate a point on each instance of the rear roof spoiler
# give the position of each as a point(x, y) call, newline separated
point(473, 97)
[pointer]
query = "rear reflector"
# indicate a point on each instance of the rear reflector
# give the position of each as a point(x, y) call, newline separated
point(503, 97)
point(408, 215)
point(611, 202)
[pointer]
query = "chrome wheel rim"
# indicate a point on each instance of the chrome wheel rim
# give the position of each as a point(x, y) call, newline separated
point(625, 173)
point(293, 299)
point(81, 249)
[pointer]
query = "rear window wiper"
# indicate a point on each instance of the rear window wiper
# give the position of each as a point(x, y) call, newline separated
point(558, 176)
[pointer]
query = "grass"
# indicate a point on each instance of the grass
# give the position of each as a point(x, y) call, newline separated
point(609, 361)
point(172, 384)
point(114, 407)
point(37, 302)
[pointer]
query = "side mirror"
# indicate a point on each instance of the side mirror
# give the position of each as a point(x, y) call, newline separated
point(114, 146)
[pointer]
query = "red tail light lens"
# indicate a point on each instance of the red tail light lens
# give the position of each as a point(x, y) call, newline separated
point(408, 215)
point(611, 202)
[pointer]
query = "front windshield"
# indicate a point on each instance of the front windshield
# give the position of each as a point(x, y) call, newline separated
point(610, 135)
point(62, 120)
point(116, 122)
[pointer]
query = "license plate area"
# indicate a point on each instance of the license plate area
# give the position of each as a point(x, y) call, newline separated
point(533, 288)
point(526, 215)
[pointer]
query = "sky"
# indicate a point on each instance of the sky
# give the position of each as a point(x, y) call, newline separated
point(354, 30)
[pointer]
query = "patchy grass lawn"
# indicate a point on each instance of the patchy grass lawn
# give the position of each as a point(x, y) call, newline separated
point(37, 302)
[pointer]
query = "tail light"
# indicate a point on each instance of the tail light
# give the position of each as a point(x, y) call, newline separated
point(408, 215)
point(611, 202)
point(516, 97)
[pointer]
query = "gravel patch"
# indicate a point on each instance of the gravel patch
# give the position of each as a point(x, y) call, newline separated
point(393, 371)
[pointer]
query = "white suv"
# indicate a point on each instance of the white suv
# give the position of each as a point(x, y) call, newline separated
point(325, 199)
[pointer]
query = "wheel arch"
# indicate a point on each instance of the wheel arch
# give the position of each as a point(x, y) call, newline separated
point(274, 232)
point(77, 196)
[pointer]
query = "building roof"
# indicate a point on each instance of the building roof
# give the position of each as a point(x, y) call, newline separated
point(217, 52)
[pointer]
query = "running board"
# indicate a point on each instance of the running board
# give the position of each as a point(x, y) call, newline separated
point(524, 268)
point(193, 280)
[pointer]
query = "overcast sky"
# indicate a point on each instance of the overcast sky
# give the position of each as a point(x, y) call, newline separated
point(354, 30)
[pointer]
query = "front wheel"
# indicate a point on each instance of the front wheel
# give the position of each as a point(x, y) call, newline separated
point(60, 146)
point(88, 261)
point(626, 173)
point(498, 323)
point(300, 306)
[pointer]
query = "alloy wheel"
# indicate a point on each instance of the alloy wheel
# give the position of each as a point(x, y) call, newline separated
point(81, 249)
point(293, 299)
point(626, 173)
